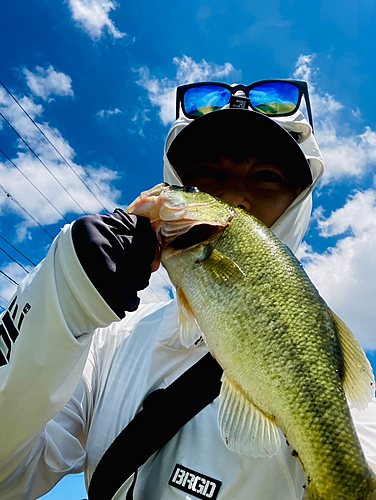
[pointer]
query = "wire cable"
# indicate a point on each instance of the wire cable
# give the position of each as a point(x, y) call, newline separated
point(14, 260)
point(19, 251)
point(19, 86)
point(31, 182)
point(8, 195)
point(8, 278)
point(24, 210)
point(57, 151)
point(53, 131)
point(45, 166)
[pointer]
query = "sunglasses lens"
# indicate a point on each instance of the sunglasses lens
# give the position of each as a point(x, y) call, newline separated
point(204, 99)
point(276, 98)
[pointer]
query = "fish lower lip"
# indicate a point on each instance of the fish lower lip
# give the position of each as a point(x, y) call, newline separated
point(197, 234)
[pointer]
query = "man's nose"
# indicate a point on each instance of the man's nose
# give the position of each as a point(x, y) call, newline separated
point(238, 196)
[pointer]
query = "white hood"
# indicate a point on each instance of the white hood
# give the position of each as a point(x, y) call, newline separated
point(293, 223)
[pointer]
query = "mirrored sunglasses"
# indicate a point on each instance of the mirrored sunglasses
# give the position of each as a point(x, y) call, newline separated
point(269, 97)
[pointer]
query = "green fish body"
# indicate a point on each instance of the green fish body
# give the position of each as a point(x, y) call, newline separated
point(289, 362)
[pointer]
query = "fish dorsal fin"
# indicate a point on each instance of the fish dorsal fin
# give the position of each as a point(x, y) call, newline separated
point(244, 427)
point(189, 330)
point(358, 381)
point(220, 267)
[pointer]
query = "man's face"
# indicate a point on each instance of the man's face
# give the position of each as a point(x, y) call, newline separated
point(260, 187)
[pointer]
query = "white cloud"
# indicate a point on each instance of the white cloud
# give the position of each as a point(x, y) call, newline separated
point(357, 114)
point(106, 113)
point(358, 215)
point(346, 153)
point(141, 116)
point(138, 120)
point(46, 82)
point(345, 274)
point(189, 70)
point(303, 68)
point(17, 185)
point(92, 16)
point(353, 155)
point(161, 92)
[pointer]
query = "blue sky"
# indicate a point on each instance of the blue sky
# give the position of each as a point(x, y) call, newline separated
point(98, 78)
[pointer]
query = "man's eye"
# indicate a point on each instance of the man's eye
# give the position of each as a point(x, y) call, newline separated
point(266, 176)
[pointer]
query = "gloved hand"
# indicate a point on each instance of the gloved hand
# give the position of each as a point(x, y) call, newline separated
point(118, 252)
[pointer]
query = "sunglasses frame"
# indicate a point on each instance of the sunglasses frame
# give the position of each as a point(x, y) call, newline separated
point(300, 84)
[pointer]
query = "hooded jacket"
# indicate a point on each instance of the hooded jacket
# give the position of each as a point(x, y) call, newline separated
point(74, 374)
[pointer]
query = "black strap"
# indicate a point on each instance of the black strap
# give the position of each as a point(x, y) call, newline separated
point(164, 412)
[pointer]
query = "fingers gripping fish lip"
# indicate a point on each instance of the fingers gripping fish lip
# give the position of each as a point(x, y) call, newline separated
point(148, 199)
point(172, 214)
point(156, 204)
point(145, 205)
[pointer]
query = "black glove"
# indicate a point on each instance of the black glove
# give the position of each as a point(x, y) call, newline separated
point(116, 251)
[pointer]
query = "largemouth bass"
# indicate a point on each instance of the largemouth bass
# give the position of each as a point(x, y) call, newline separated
point(289, 362)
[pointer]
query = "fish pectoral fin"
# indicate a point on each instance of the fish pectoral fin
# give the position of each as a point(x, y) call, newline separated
point(189, 330)
point(220, 267)
point(244, 427)
point(358, 381)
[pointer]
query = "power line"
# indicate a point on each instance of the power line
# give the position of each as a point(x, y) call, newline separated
point(64, 159)
point(53, 131)
point(47, 139)
point(31, 182)
point(14, 260)
point(24, 210)
point(45, 166)
point(8, 278)
point(23, 255)
point(19, 86)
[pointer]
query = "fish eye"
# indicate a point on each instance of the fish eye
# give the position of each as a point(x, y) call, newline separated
point(190, 189)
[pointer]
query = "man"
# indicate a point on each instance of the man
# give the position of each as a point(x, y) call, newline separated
point(79, 311)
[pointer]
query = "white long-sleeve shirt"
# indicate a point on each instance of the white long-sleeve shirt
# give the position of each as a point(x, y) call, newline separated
point(73, 376)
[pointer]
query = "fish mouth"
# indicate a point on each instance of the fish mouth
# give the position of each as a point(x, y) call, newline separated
point(195, 235)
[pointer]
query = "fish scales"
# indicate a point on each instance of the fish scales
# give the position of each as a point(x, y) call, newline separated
point(299, 395)
point(275, 339)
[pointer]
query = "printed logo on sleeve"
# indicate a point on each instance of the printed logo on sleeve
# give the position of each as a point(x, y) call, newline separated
point(195, 483)
point(10, 326)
